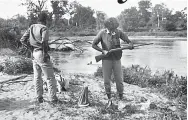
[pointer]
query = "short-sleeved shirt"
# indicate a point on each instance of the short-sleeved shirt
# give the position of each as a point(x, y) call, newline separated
point(111, 41)
point(37, 34)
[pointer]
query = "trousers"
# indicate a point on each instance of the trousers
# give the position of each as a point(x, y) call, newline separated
point(109, 66)
point(39, 67)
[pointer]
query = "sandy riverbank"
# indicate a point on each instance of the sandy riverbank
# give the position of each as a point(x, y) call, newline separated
point(17, 102)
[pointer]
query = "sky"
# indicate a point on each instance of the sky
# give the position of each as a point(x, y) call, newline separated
point(9, 8)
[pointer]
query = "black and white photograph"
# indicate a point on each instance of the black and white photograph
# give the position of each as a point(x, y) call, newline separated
point(93, 59)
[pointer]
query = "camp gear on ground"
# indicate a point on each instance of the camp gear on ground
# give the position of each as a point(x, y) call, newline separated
point(83, 99)
point(62, 83)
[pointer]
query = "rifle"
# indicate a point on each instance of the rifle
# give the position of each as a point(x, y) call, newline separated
point(101, 56)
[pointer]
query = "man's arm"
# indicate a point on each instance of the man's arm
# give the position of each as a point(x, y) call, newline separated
point(96, 41)
point(24, 39)
point(125, 38)
point(45, 39)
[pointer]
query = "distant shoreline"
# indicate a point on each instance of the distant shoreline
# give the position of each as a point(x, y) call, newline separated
point(165, 34)
point(158, 37)
point(90, 38)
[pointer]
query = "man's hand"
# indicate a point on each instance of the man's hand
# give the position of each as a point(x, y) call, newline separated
point(105, 52)
point(46, 57)
point(131, 46)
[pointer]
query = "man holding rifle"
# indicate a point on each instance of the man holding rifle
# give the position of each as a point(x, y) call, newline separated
point(110, 39)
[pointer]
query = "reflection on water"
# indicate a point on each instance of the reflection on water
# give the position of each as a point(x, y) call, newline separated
point(162, 55)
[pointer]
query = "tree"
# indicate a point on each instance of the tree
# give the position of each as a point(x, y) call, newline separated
point(101, 16)
point(83, 16)
point(169, 25)
point(60, 8)
point(180, 19)
point(160, 13)
point(34, 8)
point(144, 12)
point(128, 19)
point(184, 16)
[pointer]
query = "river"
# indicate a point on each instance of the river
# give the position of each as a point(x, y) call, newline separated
point(164, 54)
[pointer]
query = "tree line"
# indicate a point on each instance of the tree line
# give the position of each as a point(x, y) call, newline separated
point(67, 15)
point(151, 18)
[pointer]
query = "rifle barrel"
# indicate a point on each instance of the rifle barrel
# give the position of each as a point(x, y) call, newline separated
point(118, 49)
point(100, 57)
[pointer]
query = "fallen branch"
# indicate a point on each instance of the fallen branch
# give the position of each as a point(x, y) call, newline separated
point(19, 81)
point(13, 79)
point(60, 38)
point(64, 43)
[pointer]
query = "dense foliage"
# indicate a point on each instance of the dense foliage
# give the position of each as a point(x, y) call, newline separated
point(157, 18)
point(9, 38)
point(67, 15)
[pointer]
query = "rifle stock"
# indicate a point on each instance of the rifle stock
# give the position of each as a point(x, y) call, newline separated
point(101, 56)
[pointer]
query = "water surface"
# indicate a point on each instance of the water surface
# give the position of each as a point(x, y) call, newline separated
point(162, 55)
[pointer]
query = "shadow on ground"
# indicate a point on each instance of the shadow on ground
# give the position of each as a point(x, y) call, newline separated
point(12, 104)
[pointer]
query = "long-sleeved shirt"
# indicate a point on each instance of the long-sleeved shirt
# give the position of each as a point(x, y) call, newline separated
point(38, 37)
point(111, 41)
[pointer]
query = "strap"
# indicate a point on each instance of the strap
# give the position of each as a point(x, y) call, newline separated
point(32, 33)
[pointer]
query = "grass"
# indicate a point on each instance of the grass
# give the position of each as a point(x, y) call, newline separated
point(167, 83)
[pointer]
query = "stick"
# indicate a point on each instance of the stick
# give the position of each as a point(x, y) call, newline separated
point(19, 81)
point(60, 38)
point(13, 79)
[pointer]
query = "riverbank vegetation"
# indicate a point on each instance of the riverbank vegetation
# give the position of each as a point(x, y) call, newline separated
point(167, 83)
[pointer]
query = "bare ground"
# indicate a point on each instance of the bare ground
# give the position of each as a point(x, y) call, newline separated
point(17, 102)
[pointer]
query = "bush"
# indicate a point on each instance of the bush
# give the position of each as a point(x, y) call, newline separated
point(17, 66)
point(98, 72)
point(137, 75)
point(9, 39)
